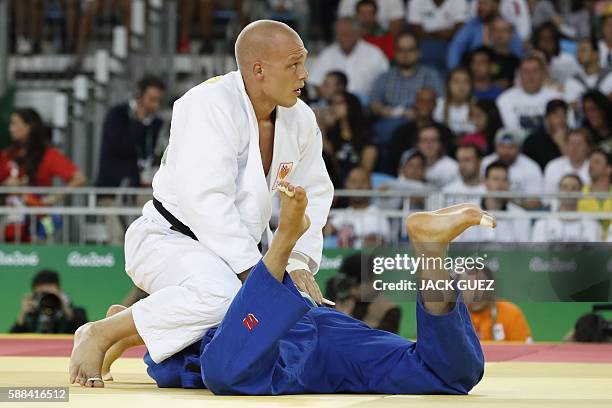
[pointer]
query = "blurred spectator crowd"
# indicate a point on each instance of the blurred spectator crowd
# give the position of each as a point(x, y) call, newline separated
point(462, 97)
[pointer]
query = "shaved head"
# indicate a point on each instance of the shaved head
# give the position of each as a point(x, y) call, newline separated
point(260, 41)
point(271, 58)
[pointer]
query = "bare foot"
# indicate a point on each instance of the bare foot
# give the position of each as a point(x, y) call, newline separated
point(87, 356)
point(444, 225)
point(293, 221)
point(112, 354)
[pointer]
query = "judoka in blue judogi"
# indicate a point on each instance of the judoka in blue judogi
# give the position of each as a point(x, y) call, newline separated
point(273, 341)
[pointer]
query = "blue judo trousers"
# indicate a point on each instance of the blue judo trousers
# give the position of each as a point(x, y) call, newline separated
point(272, 341)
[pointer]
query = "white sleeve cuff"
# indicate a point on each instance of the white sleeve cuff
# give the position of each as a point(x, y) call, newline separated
point(296, 263)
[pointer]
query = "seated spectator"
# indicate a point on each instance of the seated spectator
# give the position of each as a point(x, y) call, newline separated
point(371, 31)
point(507, 57)
point(494, 319)
point(487, 122)
point(469, 157)
point(362, 224)
point(335, 82)
point(590, 77)
point(30, 160)
point(206, 13)
point(390, 14)
point(523, 106)
point(605, 42)
point(475, 33)
point(129, 156)
point(406, 136)
point(547, 143)
point(524, 174)
point(410, 179)
point(346, 138)
point(596, 110)
point(509, 229)
point(600, 171)
point(440, 170)
point(481, 71)
point(561, 65)
point(360, 61)
point(455, 107)
point(575, 160)
point(436, 22)
point(356, 297)
point(394, 93)
point(567, 228)
point(48, 309)
point(29, 23)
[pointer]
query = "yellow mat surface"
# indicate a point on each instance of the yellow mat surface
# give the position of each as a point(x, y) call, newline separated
point(504, 385)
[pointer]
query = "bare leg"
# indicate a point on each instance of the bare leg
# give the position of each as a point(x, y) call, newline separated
point(430, 234)
point(187, 8)
point(206, 14)
point(124, 9)
point(36, 20)
point(92, 341)
point(86, 26)
point(117, 349)
point(292, 224)
point(70, 10)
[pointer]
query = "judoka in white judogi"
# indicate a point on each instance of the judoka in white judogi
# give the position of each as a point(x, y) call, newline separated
point(212, 180)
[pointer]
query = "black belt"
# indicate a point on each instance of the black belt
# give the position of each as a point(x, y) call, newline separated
point(176, 224)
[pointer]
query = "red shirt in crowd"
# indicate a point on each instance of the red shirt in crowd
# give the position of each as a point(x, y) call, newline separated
point(53, 164)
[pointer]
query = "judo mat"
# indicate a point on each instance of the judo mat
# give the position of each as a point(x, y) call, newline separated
point(516, 375)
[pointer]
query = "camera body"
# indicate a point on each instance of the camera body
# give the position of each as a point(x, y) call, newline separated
point(48, 312)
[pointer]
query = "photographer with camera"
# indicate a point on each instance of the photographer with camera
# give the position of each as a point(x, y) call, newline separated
point(47, 309)
point(354, 295)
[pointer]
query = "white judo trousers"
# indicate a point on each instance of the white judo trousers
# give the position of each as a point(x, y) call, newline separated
point(190, 287)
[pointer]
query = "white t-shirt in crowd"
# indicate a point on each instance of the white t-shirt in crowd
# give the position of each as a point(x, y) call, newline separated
point(362, 66)
point(521, 110)
point(575, 88)
point(559, 230)
point(525, 174)
point(605, 55)
point(443, 172)
point(388, 10)
point(364, 222)
point(459, 187)
point(557, 168)
point(562, 67)
point(433, 18)
point(458, 117)
point(507, 229)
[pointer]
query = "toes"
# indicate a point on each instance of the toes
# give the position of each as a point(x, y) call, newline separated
point(94, 382)
point(300, 193)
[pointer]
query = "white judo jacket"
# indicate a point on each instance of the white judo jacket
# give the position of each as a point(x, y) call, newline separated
point(212, 179)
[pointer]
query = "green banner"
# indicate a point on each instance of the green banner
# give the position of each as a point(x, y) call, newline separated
point(94, 278)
